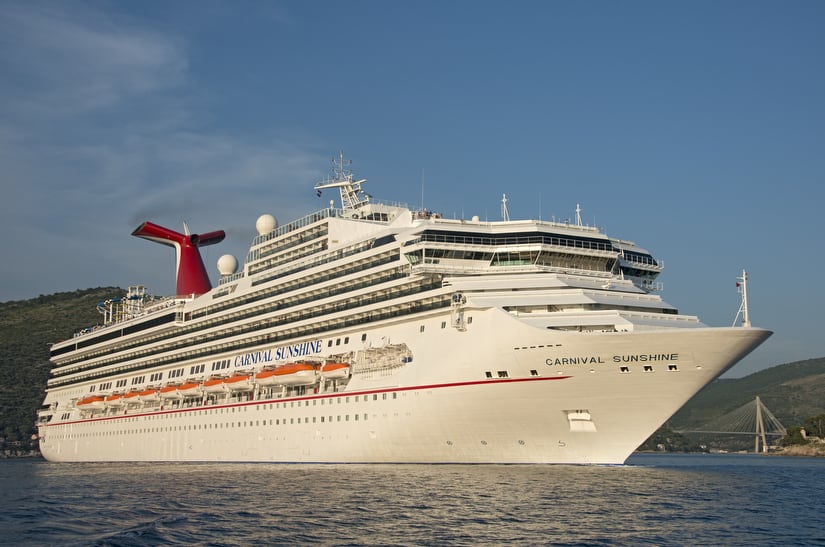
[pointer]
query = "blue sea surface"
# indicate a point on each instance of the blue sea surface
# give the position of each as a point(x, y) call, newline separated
point(653, 500)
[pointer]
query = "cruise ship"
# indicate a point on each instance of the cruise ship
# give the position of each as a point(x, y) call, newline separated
point(372, 332)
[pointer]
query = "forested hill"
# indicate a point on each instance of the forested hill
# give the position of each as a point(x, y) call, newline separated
point(27, 328)
point(793, 392)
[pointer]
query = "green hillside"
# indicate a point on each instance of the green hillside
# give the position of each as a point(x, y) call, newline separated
point(792, 392)
point(27, 327)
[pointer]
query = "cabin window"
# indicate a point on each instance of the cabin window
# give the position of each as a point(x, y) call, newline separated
point(503, 374)
point(534, 373)
point(624, 370)
point(648, 368)
point(672, 367)
point(488, 374)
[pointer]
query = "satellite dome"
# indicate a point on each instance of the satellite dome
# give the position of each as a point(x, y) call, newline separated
point(227, 264)
point(265, 224)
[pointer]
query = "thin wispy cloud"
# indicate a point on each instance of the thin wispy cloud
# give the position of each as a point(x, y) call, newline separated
point(67, 59)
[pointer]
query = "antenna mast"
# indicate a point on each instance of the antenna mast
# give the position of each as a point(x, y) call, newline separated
point(505, 216)
point(742, 284)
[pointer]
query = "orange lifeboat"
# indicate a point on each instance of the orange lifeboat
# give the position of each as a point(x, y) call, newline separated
point(335, 371)
point(149, 395)
point(132, 397)
point(189, 389)
point(266, 378)
point(114, 400)
point(214, 385)
point(92, 402)
point(239, 382)
point(296, 374)
point(170, 392)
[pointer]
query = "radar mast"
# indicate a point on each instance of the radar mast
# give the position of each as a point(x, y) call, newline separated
point(352, 196)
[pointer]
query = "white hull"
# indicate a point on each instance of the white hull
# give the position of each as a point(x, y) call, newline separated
point(441, 408)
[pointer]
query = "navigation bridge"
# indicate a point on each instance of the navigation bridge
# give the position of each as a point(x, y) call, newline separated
point(752, 418)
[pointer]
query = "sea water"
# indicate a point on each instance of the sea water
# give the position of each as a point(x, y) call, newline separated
point(653, 500)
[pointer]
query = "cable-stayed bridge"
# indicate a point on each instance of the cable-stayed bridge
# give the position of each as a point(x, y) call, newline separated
point(752, 418)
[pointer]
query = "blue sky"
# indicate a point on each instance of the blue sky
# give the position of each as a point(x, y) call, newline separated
point(696, 129)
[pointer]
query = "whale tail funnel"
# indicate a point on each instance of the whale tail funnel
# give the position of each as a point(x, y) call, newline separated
point(191, 277)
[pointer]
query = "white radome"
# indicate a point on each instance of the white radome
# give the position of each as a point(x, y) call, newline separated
point(227, 265)
point(265, 224)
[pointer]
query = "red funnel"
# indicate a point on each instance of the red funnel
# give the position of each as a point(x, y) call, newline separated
point(191, 275)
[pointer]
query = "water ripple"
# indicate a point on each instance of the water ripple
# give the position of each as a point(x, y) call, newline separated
point(657, 500)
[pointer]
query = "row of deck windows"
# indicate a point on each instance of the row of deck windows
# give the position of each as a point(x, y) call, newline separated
point(372, 262)
point(307, 330)
point(232, 423)
point(294, 316)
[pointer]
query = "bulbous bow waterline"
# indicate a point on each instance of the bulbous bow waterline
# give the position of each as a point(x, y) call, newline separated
point(191, 277)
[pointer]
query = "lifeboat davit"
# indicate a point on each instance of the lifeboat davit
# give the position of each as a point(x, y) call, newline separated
point(114, 400)
point(149, 395)
point(239, 382)
point(214, 385)
point(93, 402)
point(335, 371)
point(296, 374)
point(189, 389)
point(170, 392)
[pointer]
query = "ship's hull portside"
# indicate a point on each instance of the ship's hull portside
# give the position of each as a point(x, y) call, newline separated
point(585, 398)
